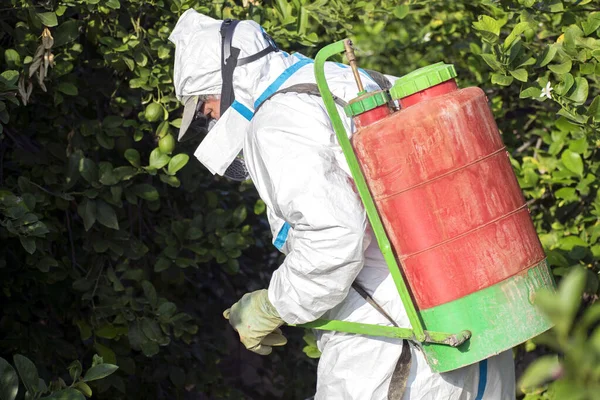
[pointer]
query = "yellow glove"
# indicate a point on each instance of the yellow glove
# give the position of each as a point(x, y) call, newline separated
point(257, 322)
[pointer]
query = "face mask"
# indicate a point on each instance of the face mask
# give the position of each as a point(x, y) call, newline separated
point(200, 126)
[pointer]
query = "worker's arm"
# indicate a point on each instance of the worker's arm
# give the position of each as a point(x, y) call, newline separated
point(294, 164)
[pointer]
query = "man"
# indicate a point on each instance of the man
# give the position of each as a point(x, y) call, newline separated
point(233, 74)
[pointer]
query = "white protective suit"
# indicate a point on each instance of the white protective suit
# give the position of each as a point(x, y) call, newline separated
point(316, 217)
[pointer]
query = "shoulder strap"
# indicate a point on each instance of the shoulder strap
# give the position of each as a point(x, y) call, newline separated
point(313, 90)
point(379, 79)
point(229, 58)
point(306, 88)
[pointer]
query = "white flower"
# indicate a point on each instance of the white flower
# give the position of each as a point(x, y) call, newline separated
point(427, 37)
point(547, 91)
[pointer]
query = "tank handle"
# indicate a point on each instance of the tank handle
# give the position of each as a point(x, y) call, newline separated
point(359, 180)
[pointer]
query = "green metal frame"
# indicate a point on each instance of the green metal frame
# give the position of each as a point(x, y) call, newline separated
point(417, 332)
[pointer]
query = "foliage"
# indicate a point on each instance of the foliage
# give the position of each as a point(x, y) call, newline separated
point(114, 244)
point(575, 374)
point(36, 387)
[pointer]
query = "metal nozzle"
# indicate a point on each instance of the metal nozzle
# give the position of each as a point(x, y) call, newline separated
point(352, 60)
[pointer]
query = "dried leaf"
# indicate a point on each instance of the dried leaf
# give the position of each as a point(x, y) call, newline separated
point(47, 39)
point(22, 91)
point(41, 76)
point(39, 52)
point(29, 90)
point(35, 65)
point(46, 63)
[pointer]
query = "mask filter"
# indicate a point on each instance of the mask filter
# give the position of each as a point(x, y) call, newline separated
point(237, 170)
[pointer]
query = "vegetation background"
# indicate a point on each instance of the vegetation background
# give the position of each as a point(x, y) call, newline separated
point(114, 242)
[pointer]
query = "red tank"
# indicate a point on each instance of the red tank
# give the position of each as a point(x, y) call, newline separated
point(442, 181)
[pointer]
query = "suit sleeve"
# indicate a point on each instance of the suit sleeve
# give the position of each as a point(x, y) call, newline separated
point(296, 171)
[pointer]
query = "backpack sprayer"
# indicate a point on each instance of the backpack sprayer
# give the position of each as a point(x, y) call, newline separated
point(448, 214)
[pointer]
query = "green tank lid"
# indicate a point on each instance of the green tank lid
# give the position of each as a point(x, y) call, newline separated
point(366, 102)
point(422, 79)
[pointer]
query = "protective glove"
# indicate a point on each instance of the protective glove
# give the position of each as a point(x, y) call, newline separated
point(257, 322)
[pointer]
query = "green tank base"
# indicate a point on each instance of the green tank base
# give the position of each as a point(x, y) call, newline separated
point(499, 317)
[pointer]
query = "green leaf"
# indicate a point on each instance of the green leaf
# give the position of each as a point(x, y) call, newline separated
point(177, 376)
point(141, 59)
point(99, 371)
point(561, 69)
point(594, 109)
point(9, 382)
point(568, 194)
point(83, 388)
point(114, 4)
point(75, 370)
point(492, 61)
point(158, 159)
point(569, 242)
point(539, 372)
point(48, 19)
point(28, 372)
point(68, 89)
point(259, 207)
point(129, 62)
point(515, 33)
point(145, 191)
point(531, 92)
point(547, 55)
point(170, 180)
point(28, 244)
point(579, 92)
point(150, 293)
point(239, 215)
point(554, 5)
point(85, 331)
point(591, 24)
point(166, 309)
point(149, 348)
point(112, 121)
point(581, 119)
point(106, 215)
point(566, 84)
point(88, 169)
point(311, 351)
point(401, 11)
point(66, 32)
point(520, 74)
point(133, 156)
point(572, 161)
point(162, 129)
point(163, 52)
point(12, 58)
point(66, 394)
point(88, 214)
point(502, 80)
point(107, 354)
point(151, 329)
point(579, 146)
point(488, 24)
point(570, 291)
point(162, 264)
point(134, 334)
point(177, 162)
point(10, 76)
point(106, 331)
